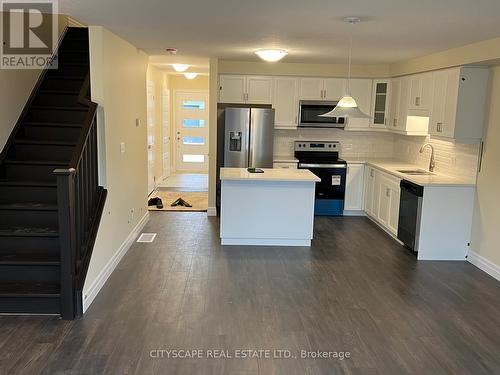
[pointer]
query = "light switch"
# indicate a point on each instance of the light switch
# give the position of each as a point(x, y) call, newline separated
point(122, 147)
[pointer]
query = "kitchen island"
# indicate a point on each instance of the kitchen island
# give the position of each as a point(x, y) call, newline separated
point(274, 208)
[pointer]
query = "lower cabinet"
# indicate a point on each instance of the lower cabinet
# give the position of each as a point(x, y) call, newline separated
point(354, 191)
point(382, 194)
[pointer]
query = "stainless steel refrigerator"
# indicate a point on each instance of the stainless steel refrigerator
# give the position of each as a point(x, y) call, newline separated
point(248, 137)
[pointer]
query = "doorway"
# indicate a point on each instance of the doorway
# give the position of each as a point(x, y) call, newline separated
point(150, 100)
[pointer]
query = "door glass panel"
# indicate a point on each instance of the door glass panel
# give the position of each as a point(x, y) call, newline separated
point(193, 140)
point(380, 103)
point(193, 104)
point(193, 123)
point(379, 118)
point(193, 158)
point(381, 88)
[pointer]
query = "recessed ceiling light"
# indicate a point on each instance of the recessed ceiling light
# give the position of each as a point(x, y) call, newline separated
point(180, 67)
point(271, 55)
point(190, 75)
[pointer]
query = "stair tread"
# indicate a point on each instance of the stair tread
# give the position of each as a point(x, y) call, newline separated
point(59, 108)
point(60, 92)
point(45, 259)
point(28, 183)
point(36, 162)
point(76, 78)
point(29, 289)
point(28, 232)
point(53, 124)
point(26, 141)
point(27, 206)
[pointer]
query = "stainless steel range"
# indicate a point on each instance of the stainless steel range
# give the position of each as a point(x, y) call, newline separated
point(322, 159)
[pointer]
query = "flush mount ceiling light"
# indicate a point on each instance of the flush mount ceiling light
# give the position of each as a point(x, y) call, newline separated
point(180, 67)
point(347, 106)
point(190, 75)
point(271, 55)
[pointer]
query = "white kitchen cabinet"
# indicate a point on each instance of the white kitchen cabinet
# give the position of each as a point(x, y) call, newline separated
point(322, 88)
point(285, 102)
point(361, 91)
point(380, 103)
point(382, 194)
point(355, 183)
point(371, 195)
point(389, 193)
point(232, 89)
point(334, 88)
point(458, 110)
point(259, 89)
point(245, 89)
point(311, 89)
point(284, 165)
point(403, 120)
point(420, 93)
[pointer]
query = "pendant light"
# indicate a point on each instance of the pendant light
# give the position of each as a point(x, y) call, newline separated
point(347, 106)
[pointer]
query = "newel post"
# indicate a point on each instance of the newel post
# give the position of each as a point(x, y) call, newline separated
point(67, 235)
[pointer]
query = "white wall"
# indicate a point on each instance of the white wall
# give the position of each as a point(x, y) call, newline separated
point(118, 79)
point(15, 89)
point(486, 222)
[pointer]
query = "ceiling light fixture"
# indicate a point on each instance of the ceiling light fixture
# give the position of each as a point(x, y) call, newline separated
point(190, 75)
point(271, 55)
point(180, 67)
point(347, 106)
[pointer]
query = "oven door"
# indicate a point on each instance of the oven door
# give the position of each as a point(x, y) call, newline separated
point(330, 191)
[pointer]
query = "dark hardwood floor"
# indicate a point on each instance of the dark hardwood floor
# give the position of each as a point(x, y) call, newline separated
point(355, 290)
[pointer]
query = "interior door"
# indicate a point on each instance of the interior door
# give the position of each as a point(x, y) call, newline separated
point(150, 103)
point(191, 131)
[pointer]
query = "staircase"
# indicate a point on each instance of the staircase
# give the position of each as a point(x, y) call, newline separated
point(50, 200)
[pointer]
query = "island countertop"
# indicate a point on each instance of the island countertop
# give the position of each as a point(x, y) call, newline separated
point(289, 175)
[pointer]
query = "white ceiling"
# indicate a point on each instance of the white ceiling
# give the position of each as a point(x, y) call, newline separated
point(311, 30)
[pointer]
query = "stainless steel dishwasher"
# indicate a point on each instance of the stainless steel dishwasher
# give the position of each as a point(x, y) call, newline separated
point(410, 212)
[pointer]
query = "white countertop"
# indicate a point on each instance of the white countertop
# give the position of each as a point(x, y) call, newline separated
point(285, 159)
point(270, 174)
point(392, 166)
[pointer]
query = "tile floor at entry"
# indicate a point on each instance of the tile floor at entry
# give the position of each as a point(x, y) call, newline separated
point(185, 182)
point(354, 290)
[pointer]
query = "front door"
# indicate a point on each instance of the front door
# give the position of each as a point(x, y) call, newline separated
point(191, 131)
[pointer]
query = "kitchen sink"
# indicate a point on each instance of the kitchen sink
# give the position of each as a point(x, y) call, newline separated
point(415, 172)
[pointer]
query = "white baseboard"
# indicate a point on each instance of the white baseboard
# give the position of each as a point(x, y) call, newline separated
point(90, 293)
point(212, 211)
point(484, 264)
point(354, 213)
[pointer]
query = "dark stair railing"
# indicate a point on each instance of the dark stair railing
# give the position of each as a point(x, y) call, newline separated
point(81, 201)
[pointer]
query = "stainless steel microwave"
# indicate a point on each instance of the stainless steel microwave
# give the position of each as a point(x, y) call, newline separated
point(309, 111)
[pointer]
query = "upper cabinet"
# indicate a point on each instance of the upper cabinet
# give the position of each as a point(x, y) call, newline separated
point(380, 103)
point(361, 91)
point(321, 88)
point(458, 110)
point(245, 89)
point(420, 93)
point(286, 102)
point(404, 120)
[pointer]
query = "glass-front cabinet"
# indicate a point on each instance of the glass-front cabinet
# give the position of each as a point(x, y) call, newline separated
point(380, 105)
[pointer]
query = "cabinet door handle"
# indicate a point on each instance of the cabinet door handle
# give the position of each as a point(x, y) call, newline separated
point(372, 173)
point(388, 192)
point(439, 127)
point(417, 101)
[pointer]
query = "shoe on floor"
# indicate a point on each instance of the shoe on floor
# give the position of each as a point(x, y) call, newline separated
point(159, 204)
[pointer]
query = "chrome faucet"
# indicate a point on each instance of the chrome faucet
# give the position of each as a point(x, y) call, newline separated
point(432, 164)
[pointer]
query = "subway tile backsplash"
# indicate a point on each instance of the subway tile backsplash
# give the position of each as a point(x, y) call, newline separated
point(453, 159)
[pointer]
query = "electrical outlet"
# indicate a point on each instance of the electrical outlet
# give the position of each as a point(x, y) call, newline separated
point(137, 122)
